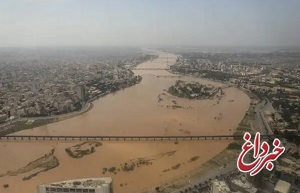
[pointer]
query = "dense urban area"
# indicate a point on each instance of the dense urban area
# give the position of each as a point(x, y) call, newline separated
point(273, 79)
point(49, 82)
point(37, 84)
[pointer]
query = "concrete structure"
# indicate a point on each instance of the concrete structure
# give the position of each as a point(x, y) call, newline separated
point(282, 187)
point(288, 170)
point(217, 186)
point(81, 93)
point(241, 184)
point(3, 117)
point(88, 185)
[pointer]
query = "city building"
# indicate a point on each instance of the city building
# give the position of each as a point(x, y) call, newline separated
point(89, 185)
point(81, 93)
point(3, 117)
point(241, 184)
point(217, 186)
point(289, 170)
point(282, 187)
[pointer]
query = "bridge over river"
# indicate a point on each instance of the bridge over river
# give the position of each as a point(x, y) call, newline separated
point(123, 138)
point(151, 69)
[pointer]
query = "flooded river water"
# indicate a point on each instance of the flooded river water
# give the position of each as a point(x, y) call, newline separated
point(143, 109)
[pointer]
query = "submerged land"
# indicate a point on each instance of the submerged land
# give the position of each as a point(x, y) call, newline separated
point(186, 93)
point(144, 109)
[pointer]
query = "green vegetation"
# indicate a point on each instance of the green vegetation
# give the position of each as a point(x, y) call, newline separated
point(21, 125)
point(176, 166)
point(194, 158)
point(234, 145)
point(112, 169)
point(32, 169)
point(83, 149)
point(192, 90)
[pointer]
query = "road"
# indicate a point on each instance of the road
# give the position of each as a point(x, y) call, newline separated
point(228, 169)
point(260, 121)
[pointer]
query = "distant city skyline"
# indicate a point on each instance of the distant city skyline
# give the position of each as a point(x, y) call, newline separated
point(232, 23)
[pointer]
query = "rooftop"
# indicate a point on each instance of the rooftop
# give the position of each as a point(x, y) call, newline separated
point(81, 183)
point(282, 186)
point(220, 186)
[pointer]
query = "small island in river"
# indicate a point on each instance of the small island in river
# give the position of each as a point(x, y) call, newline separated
point(194, 90)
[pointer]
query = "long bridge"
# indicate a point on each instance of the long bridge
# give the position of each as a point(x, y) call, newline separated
point(151, 68)
point(167, 76)
point(122, 138)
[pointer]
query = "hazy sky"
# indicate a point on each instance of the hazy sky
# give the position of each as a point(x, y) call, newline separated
point(149, 22)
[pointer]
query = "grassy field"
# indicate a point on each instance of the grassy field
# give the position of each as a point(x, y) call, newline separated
point(23, 125)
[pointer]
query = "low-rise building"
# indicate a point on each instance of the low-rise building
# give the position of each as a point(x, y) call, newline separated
point(289, 171)
point(282, 187)
point(217, 186)
point(242, 185)
point(89, 185)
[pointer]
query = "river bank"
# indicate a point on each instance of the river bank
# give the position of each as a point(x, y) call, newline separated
point(24, 123)
point(32, 122)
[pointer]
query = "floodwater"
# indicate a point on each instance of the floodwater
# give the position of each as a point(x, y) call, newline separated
point(143, 109)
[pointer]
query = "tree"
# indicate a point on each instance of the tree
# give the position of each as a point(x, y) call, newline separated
point(157, 189)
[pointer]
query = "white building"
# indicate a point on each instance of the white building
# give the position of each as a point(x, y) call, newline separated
point(88, 185)
point(217, 186)
point(282, 187)
point(241, 184)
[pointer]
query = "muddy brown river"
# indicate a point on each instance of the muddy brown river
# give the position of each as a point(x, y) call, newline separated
point(133, 111)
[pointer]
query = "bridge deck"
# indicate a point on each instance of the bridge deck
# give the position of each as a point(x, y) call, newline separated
point(151, 69)
point(122, 138)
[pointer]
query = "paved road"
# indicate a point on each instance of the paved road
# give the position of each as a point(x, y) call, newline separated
point(260, 122)
point(211, 175)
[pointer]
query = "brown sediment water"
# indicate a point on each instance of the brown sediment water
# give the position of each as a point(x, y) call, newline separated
point(143, 109)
